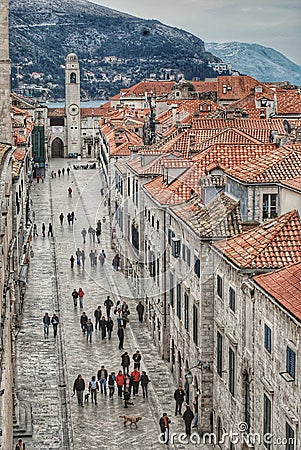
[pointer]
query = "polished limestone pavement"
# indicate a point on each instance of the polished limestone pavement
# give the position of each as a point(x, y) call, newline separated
point(48, 366)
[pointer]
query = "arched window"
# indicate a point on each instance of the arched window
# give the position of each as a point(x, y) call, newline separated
point(73, 77)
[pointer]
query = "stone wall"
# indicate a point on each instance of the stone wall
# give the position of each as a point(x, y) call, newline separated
point(5, 118)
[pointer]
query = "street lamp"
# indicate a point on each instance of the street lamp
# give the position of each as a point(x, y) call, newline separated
point(189, 377)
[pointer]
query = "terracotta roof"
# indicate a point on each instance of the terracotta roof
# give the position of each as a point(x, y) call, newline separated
point(293, 183)
point(272, 245)
point(157, 87)
point(219, 219)
point(285, 286)
point(289, 101)
point(159, 164)
point(237, 87)
point(280, 164)
point(56, 112)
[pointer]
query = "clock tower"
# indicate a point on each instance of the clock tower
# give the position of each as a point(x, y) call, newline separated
point(72, 83)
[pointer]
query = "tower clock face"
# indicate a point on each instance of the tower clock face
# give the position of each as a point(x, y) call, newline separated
point(73, 110)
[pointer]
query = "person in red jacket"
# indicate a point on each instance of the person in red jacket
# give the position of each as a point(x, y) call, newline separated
point(135, 379)
point(81, 297)
point(120, 377)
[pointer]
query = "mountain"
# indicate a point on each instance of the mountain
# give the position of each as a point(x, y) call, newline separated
point(114, 49)
point(262, 63)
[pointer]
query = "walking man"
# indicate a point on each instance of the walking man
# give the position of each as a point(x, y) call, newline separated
point(78, 256)
point(79, 388)
point(72, 259)
point(84, 234)
point(111, 384)
point(108, 304)
point(164, 426)
point(81, 297)
point(46, 322)
point(61, 217)
point(140, 311)
point(50, 230)
point(144, 383)
point(136, 358)
point(97, 315)
point(103, 326)
point(89, 330)
point(83, 321)
point(120, 333)
point(179, 398)
point(116, 262)
point(125, 362)
point(43, 229)
point(20, 445)
point(188, 417)
point(102, 376)
point(110, 325)
point(135, 379)
point(55, 322)
point(75, 297)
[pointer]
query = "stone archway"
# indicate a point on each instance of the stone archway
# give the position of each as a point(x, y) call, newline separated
point(57, 148)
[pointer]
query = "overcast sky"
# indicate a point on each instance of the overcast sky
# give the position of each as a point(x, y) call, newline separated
point(273, 23)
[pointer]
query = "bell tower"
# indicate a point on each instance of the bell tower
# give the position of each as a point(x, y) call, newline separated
point(5, 67)
point(72, 92)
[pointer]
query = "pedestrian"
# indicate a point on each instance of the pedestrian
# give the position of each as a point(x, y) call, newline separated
point(91, 256)
point(72, 217)
point(188, 418)
point(98, 316)
point(20, 445)
point(93, 234)
point(72, 259)
point(103, 254)
point(179, 398)
point(108, 304)
point(126, 397)
point(140, 311)
point(46, 322)
point(110, 325)
point(101, 259)
point(102, 376)
point(90, 233)
point(93, 389)
point(52, 174)
point(79, 388)
point(144, 384)
point(35, 230)
point(63, 171)
point(116, 262)
point(59, 172)
point(43, 229)
point(83, 321)
point(89, 330)
point(103, 327)
point(98, 226)
point(120, 377)
point(125, 312)
point(50, 230)
point(125, 362)
point(81, 297)
point(78, 254)
point(61, 217)
point(135, 379)
point(84, 234)
point(69, 218)
point(98, 233)
point(111, 384)
point(83, 258)
point(164, 427)
point(54, 322)
point(196, 411)
point(75, 297)
point(68, 171)
point(136, 358)
point(120, 333)
point(70, 191)
point(95, 257)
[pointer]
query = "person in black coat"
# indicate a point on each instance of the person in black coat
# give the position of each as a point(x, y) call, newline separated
point(125, 362)
point(179, 395)
point(108, 304)
point(140, 311)
point(120, 334)
point(110, 325)
point(144, 380)
point(136, 358)
point(79, 387)
point(103, 327)
point(188, 418)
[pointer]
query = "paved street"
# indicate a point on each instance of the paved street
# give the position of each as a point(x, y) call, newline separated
point(47, 367)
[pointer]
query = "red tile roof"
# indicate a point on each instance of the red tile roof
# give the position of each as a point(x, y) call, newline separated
point(293, 183)
point(158, 165)
point(237, 87)
point(285, 286)
point(281, 164)
point(289, 101)
point(272, 245)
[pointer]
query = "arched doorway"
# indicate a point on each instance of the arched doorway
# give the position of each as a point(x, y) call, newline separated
point(57, 148)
